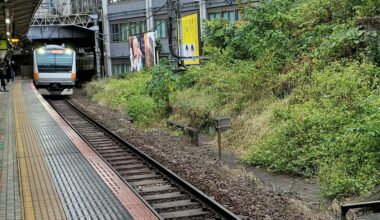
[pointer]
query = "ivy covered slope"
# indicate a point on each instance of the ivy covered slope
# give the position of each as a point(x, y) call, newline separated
point(323, 64)
point(301, 80)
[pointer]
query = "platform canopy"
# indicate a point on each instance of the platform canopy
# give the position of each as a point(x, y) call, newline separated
point(15, 17)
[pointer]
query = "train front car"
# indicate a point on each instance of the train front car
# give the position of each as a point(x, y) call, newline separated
point(54, 70)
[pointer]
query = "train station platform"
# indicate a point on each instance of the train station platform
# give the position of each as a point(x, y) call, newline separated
point(48, 172)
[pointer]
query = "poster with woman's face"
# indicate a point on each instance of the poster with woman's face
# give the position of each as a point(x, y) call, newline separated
point(142, 51)
point(150, 49)
point(136, 52)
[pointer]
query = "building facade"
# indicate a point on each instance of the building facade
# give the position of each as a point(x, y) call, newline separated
point(129, 17)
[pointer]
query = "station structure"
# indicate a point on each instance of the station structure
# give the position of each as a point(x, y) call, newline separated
point(47, 171)
point(76, 22)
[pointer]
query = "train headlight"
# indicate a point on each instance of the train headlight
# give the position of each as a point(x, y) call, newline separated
point(68, 51)
point(41, 51)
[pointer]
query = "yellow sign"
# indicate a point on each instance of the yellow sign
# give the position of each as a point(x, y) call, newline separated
point(190, 39)
point(3, 44)
point(15, 40)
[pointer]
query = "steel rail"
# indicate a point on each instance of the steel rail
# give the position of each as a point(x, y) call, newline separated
point(186, 186)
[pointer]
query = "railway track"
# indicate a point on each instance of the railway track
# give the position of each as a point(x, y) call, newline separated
point(167, 194)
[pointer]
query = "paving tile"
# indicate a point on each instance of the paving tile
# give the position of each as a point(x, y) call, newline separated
point(83, 194)
point(10, 204)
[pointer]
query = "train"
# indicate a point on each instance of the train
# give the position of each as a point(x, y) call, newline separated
point(54, 70)
point(85, 67)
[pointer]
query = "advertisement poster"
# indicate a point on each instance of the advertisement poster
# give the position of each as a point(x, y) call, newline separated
point(190, 38)
point(142, 50)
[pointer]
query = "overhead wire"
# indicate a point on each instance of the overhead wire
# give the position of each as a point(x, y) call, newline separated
point(138, 23)
point(152, 29)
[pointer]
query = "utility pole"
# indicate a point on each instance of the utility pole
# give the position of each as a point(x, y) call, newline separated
point(149, 14)
point(95, 28)
point(202, 13)
point(173, 7)
point(106, 38)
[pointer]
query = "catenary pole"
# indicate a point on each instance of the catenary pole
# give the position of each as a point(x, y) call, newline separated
point(202, 14)
point(149, 21)
point(96, 31)
point(106, 39)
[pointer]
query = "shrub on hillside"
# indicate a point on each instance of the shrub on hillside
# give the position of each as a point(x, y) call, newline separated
point(308, 131)
point(219, 87)
point(129, 94)
point(161, 85)
point(142, 109)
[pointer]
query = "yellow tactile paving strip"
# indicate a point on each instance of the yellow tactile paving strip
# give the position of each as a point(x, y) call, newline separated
point(39, 197)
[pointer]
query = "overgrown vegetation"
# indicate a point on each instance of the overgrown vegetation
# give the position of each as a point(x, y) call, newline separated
point(128, 94)
point(300, 79)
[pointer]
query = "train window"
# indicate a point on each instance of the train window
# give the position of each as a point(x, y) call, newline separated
point(52, 61)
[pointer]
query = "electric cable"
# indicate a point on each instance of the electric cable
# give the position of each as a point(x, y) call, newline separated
point(138, 23)
point(152, 29)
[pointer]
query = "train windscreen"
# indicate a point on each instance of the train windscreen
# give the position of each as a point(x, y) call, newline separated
point(54, 61)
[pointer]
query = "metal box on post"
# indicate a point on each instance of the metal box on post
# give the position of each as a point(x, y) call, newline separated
point(222, 123)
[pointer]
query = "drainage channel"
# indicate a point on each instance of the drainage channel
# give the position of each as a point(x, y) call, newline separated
point(169, 195)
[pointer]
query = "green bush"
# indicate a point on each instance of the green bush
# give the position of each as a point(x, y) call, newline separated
point(309, 54)
point(343, 42)
point(127, 94)
point(195, 104)
point(309, 131)
point(161, 85)
point(218, 33)
point(368, 8)
point(142, 109)
point(353, 163)
point(221, 86)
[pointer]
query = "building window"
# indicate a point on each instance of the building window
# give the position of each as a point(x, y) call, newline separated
point(142, 27)
point(118, 69)
point(121, 32)
point(216, 15)
point(115, 29)
point(116, 1)
point(228, 15)
point(160, 28)
point(137, 28)
point(124, 31)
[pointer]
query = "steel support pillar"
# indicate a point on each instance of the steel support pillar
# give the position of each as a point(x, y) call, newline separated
point(203, 14)
point(149, 14)
point(106, 39)
point(95, 16)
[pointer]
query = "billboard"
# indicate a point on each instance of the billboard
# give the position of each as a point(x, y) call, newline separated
point(190, 38)
point(142, 50)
